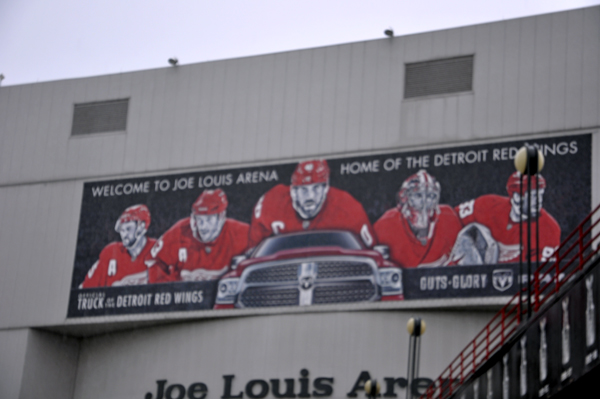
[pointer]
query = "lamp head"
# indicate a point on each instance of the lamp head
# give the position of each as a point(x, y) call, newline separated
point(529, 160)
point(416, 326)
point(372, 388)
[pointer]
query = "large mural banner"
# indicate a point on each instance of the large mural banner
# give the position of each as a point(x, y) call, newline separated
point(435, 223)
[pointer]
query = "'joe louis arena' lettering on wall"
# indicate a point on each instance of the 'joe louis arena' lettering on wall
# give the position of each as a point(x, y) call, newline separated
point(433, 223)
point(303, 387)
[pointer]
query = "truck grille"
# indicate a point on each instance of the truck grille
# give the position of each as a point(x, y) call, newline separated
point(336, 281)
point(258, 297)
point(353, 291)
point(342, 269)
point(274, 274)
point(326, 270)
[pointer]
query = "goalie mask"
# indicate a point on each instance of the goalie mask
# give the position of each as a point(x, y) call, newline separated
point(418, 201)
point(132, 225)
point(520, 203)
point(310, 184)
point(208, 215)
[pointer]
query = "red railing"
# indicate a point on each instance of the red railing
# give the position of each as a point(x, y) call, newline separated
point(570, 257)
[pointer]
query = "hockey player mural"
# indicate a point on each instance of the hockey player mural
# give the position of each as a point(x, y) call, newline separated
point(309, 203)
point(199, 247)
point(122, 263)
point(387, 226)
point(419, 231)
point(491, 234)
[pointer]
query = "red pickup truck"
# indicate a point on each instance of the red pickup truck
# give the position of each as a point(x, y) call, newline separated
point(309, 268)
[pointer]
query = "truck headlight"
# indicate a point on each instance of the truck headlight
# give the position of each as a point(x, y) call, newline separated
point(227, 290)
point(390, 280)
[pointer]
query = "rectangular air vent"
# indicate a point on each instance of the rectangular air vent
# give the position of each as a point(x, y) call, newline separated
point(448, 75)
point(100, 117)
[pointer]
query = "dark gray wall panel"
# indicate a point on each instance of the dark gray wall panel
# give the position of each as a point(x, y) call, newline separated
point(590, 75)
point(38, 246)
point(558, 71)
point(50, 366)
point(574, 62)
point(525, 79)
point(13, 345)
point(541, 78)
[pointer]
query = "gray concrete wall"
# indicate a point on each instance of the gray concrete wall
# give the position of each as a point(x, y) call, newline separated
point(532, 75)
point(13, 345)
point(37, 243)
point(36, 364)
point(339, 345)
point(50, 366)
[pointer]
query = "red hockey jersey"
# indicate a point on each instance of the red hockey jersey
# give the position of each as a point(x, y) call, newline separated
point(115, 267)
point(179, 256)
point(406, 250)
point(493, 211)
point(274, 214)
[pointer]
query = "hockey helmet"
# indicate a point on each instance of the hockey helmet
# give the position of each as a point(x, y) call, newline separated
point(210, 202)
point(418, 200)
point(311, 172)
point(419, 181)
point(135, 213)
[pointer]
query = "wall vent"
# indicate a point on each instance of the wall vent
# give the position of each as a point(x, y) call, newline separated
point(448, 75)
point(100, 117)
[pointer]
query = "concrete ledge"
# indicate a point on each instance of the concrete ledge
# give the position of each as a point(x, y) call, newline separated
point(90, 326)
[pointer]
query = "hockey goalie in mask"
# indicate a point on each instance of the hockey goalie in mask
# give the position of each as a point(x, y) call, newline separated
point(122, 263)
point(201, 246)
point(491, 233)
point(419, 231)
point(309, 203)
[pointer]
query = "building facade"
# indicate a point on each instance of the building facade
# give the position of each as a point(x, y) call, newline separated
point(534, 79)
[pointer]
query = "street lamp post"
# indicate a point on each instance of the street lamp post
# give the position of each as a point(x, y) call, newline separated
point(528, 161)
point(415, 327)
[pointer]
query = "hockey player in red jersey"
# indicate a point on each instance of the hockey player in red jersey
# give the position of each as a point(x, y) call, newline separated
point(199, 247)
point(122, 263)
point(491, 233)
point(308, 204)
point(419, 231)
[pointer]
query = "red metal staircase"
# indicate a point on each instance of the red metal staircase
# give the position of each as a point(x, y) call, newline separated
point(577, 251)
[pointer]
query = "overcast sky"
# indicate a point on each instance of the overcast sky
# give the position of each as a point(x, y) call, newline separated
point(43, 40)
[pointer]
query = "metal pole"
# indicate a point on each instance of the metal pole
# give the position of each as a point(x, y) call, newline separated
point(528, 160)
point(529, 238)
point(537, 235)
point(417, 357)
point(410, 367)
point(415, 328)
point(521, 249)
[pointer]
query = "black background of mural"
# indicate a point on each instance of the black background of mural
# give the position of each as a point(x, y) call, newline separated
point(567, 197)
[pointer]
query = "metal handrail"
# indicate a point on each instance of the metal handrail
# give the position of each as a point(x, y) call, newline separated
point(567, 260)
